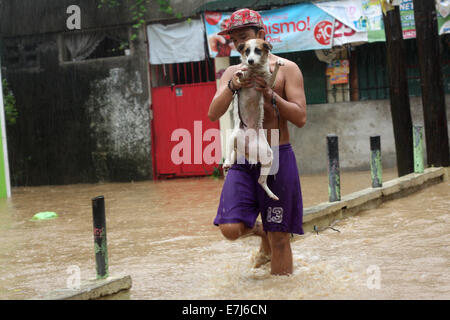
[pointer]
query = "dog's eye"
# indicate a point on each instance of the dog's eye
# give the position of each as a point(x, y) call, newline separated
point(247, 52)
point(257, 51)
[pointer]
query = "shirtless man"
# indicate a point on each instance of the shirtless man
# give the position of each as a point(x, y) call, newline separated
point(242, 198)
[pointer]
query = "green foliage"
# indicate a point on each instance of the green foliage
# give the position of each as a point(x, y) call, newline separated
point(138, 9)
point(10, 104)
point(216, 172)
point(165, 7)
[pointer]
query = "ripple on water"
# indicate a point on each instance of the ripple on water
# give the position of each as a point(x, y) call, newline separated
point(172, 250)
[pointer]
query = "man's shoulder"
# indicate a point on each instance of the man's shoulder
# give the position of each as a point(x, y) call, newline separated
point(288, 64)
point(289, 72)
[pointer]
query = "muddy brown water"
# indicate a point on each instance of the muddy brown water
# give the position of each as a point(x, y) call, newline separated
point(161, 233)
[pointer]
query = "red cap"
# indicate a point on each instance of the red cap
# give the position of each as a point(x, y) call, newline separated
point(243, 18)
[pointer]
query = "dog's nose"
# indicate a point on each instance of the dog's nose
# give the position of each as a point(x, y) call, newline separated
point(250, 61)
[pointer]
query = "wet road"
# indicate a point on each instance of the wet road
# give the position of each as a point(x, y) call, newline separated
point(161, 233)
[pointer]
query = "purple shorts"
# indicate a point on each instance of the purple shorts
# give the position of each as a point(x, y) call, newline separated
point(242, 197)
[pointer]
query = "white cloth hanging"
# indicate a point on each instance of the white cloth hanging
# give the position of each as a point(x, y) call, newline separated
point(81, 45)
point(176, 43)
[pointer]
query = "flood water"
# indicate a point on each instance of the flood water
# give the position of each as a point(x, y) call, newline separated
point(161, 233)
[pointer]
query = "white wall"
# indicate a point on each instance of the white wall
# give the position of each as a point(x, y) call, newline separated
point(354, 123)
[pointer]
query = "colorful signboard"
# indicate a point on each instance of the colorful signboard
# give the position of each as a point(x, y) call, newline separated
point(349, 12)
point(407, 19)
point(292, 28)
point(338, 71)
point(321, 25)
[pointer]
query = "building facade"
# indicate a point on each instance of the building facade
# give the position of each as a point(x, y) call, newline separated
point(86, 111)
point(83, 96)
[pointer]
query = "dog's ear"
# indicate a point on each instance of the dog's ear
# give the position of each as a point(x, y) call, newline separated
point(240, 47)
point(267, 46)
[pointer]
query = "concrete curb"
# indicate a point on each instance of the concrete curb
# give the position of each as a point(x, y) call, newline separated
point(324, 214)
point(91, 289)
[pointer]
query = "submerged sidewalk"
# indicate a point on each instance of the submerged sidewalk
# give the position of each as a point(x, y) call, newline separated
point(324, 214)
point(91, 289)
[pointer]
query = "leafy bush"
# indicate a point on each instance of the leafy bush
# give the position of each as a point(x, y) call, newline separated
point(10, 104)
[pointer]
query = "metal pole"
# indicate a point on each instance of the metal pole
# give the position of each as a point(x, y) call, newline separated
point(376, 168)
point(418, 149)
point(5, 183)
point(100, 245)
point(334, 180)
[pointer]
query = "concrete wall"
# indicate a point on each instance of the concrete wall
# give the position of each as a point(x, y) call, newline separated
point(83, 121)
point(354, 123)
point(26, 17)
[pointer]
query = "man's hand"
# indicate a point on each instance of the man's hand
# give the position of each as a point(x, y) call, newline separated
point(238, 81)
point(263, 86)
point(214, 40)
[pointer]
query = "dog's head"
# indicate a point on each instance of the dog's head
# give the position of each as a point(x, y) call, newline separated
point(254, 51)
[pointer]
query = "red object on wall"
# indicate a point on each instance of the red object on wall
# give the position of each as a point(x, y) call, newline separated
point(179, 107)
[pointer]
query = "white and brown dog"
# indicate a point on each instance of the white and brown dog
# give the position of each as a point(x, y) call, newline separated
point(248, 137)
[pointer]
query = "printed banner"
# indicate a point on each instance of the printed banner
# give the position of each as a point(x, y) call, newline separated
point(409, 25)
point(309, 26)
point(375, 26)
point(338, 71)
point(443, 7)
point(443, 17)
point(374, 20)
point(344, 34)
point(292, 28)
point(443, 24)
point(349, 12)
point(407, 18)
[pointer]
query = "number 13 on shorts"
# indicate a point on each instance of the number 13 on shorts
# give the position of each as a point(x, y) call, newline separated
point(275, 214)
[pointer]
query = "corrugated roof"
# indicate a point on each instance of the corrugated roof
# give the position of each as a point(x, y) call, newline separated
point(231, 5)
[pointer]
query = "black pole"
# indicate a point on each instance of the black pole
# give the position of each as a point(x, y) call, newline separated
point(100, 244)
point(376, 168)
point(334, 180)
point(433, 96)
point(398, 92)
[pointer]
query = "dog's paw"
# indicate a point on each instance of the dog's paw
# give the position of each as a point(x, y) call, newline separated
point(274, 197)
point(226, 166)
point(240, 76)
point(280, 62)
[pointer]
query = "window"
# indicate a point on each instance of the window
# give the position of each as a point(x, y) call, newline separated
point(21, 53)
point(182, 73)
point(373, 81)
point(88, 45)
point(373, 75)
point(314, 75)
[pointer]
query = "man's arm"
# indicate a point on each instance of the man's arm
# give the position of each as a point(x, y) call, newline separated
point(293, 108)
point(222, 99)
